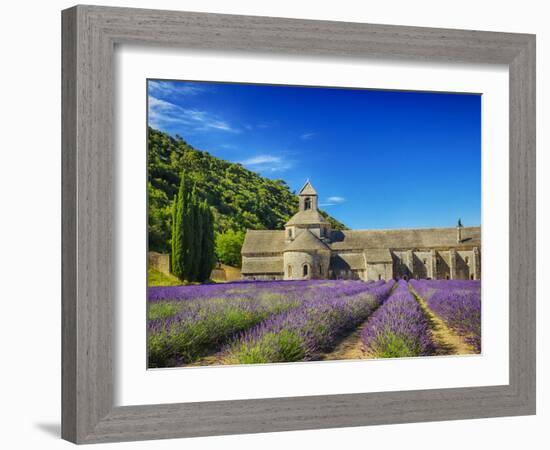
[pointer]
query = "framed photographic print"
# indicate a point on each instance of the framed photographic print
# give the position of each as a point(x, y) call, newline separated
point(268, 222)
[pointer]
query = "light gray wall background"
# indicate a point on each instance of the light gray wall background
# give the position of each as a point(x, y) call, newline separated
point(30, 221)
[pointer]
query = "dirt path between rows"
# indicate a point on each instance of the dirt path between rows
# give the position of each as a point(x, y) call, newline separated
point(350, 347)
point(211, 360)
point(447, 342)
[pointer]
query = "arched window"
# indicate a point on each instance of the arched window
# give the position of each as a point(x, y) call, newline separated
point(289, 271)
point(320, 269)
point(290, 233)
point(466, 260)
point(305, 270)
point(307, 203)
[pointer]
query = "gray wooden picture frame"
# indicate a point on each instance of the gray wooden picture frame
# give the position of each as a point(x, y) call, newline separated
point(90, 34)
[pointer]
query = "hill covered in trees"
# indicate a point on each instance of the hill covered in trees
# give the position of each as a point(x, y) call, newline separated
point(238, 198)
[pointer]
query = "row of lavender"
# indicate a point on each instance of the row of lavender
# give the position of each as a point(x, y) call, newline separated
point(304, 333)
point(189, 322)
point(457, 302)
point(399, 328)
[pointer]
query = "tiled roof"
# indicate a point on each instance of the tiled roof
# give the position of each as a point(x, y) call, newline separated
point(406, 238)
point(270, 265)
point(307, 217)
point(378, 255)
point(306, 241)
point(263, 241)
point(347, 261)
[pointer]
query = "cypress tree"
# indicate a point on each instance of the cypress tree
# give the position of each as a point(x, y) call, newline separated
point(211, 242)
point(207, 243)
point(190, 242)
point(198, 223)
point(174, 241)
point(179, 230)
point(187, 226)
point(192, 235)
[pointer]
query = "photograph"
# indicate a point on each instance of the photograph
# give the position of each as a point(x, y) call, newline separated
point(311, 223)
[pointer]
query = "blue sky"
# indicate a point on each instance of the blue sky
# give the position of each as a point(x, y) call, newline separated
point(378, 159)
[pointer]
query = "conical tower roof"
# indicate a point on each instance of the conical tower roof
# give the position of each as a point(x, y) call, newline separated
point(305, 241)
point(307, 189)
point(307, 217)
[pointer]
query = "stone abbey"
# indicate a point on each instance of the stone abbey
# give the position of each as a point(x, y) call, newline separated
point(309, 249)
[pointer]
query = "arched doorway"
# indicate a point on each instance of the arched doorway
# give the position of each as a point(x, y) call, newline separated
point(305, 270)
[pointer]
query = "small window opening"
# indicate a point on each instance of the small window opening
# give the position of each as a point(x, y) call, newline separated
point(307, 203)
point(305, 270)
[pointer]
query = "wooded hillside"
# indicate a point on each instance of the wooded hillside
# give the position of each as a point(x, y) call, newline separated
point(239, 198)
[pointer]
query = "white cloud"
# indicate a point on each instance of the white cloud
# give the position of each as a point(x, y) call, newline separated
point(267, 124)
point(333, 200)
point(175, 88)
point(267, 163)
point(163, 113)
point(307, 136)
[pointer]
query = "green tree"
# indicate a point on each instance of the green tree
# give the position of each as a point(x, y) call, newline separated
point(174, 243)
point(181, 230)
point(238, 198)
point(192, 234)
point(228, 247)
point(195, 240)
point(178, 256)
point(208, 256)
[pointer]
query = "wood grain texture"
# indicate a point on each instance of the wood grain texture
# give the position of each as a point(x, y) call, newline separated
point(89, 37)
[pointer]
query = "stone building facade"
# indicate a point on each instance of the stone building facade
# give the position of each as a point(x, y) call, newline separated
point(309, 249)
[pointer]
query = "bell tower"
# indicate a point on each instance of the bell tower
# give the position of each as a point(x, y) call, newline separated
point(308, 217)
point(308, 197)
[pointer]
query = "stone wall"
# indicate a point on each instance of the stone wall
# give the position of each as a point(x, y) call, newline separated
point(402, 264)
point(431, 264)
point(422, 265)
point(262, 277)
point(379, 271)
point(159, 261)
point(317, 265)
point(441, 264)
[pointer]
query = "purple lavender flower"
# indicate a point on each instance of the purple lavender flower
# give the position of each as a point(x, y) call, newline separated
point(398, 328)
point(457, 302)
point(314, 327)
point(188, 322)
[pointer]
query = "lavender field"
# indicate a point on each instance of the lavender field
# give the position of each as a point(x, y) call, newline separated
point(458, 303)
point(288, 321)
